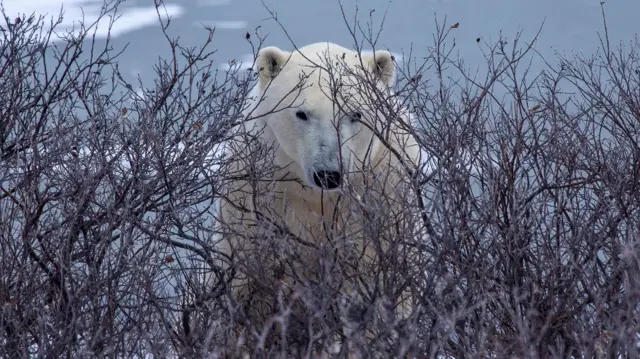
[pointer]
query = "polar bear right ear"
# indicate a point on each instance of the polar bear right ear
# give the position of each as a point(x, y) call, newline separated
point(382, 66)
point(270, 61)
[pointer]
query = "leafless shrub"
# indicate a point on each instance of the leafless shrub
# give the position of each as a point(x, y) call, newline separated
point(106, 195)
point(518, 234)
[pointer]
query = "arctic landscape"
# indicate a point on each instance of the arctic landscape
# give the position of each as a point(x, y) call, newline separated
point(514, 234)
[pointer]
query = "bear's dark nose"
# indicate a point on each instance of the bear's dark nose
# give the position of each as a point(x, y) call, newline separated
point(327, 179)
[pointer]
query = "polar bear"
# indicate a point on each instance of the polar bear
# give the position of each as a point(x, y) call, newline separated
point(321, 139)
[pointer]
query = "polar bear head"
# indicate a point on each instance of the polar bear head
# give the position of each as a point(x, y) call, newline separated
point(318, 104)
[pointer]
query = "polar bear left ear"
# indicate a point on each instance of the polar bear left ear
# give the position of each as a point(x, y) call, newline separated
point(270, 61)
point(381, 65)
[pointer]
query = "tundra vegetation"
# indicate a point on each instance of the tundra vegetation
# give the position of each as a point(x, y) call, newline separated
point(524, 240)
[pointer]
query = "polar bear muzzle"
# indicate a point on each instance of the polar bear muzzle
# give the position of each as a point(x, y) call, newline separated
point(327, 179)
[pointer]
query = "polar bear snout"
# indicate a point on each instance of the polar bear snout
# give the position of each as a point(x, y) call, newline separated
point(327, 179)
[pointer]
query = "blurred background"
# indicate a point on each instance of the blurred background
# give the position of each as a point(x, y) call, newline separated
point(567, 25)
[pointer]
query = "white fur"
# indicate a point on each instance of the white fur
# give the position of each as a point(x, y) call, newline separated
point(326, 141)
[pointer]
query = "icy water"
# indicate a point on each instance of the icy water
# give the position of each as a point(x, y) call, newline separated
point(569, 25)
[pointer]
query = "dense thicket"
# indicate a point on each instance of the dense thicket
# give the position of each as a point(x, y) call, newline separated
point(529, 242)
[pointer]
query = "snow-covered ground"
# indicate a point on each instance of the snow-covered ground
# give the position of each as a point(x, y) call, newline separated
point(131, 18)
point(570, 25)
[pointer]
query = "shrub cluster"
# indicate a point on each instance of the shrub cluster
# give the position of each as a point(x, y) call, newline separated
point(526, 242)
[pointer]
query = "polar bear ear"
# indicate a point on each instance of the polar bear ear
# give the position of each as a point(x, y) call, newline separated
point(269, 62)
point(381, 65)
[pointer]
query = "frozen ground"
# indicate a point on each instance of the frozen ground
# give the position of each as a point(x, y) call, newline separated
point(569, 25)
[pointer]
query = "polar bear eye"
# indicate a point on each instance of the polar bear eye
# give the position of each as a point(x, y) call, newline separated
point(356, 116)
point(301, 115)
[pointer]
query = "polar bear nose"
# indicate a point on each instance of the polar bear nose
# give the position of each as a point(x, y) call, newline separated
point(327, 179)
